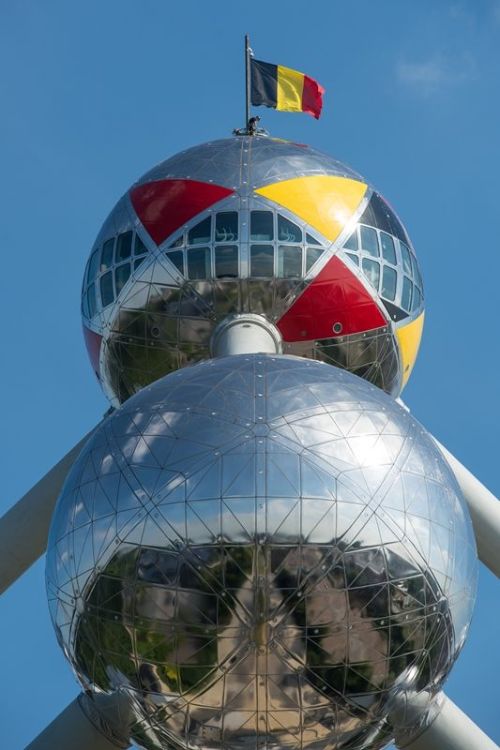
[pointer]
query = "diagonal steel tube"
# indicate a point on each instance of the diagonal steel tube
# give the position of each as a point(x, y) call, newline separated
point(484, 509)
point(25, 526)
point(448, 729)
point(89, 723)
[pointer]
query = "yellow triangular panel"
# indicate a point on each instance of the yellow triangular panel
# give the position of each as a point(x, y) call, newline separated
point(409, 341)
point(325, 202)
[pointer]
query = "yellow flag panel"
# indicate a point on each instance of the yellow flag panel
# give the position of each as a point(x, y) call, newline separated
point(289, 89)
point(326, 202)
point(409, 341)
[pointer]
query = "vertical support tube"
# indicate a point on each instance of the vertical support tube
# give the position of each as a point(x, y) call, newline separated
point(245, 334)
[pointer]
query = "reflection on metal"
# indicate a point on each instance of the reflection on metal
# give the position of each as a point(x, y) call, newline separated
point(166, 268)
point(261, 550)
point(245, 334)
point(411, 712)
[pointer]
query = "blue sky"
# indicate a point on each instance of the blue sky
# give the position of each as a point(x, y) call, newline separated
point(95, 93)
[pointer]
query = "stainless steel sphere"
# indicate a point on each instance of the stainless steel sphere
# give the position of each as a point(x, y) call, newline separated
point(251, 225)
point(261, 551)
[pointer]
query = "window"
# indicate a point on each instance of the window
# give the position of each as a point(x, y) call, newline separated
point(407, 294)
point(226, 262)
point(201, 233)
point(389, 283)
point(199, 263)
point(91, 299)
point(209, 249)
point(93, 265)
point(177, 258)
point(352, 242)
point(107, 294)
point(405, 254)
point(178, 242)
point(312, 240)
point(288, 231)
point(289, 262)
point(261, 225)
point(417, 299)
point(261, 259)
point(388, 249)
point(122, 274)
point(123, 246)
point(103, 260)
point(85, 306)
point(371, 270)
point(418, 277)
point(139, 246)
point(107, 254)
point(369, 240)
point(226, 226)
point(312, 255)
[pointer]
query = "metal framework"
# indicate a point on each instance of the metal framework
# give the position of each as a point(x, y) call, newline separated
point(100, 723)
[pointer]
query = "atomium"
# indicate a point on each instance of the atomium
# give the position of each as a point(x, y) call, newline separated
point(251, 225)
point(261, 552)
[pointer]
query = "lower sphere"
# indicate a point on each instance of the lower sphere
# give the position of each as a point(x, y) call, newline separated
point(261, 551)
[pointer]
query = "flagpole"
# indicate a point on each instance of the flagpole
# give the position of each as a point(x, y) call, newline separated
point(247, 81)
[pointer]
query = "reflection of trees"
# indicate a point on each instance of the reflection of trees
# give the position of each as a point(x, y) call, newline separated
point(387, 626)
point(154, 616)
point(102, 638)
point(372, 356)
point(164, 621)
point(145, 343)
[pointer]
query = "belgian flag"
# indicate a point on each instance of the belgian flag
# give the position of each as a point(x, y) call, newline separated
point(285, 89)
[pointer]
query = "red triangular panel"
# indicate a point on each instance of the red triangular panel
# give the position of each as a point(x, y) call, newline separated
point(334, 296)
point(93, 344)
point(165, 205)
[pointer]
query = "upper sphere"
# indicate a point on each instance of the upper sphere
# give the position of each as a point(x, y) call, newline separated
point(251, 225)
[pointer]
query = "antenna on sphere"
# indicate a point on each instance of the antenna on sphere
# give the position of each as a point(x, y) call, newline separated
point(247, 80)
point(251, 123)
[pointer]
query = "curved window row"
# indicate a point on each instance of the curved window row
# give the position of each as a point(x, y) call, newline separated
point(387, 261)
point(278, 248)
point(109, 269)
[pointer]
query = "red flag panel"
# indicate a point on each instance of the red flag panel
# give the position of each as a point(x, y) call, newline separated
point(312, 97)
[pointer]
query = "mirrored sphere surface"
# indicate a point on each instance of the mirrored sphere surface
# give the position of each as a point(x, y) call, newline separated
point(251, 225)
point(261, 551)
